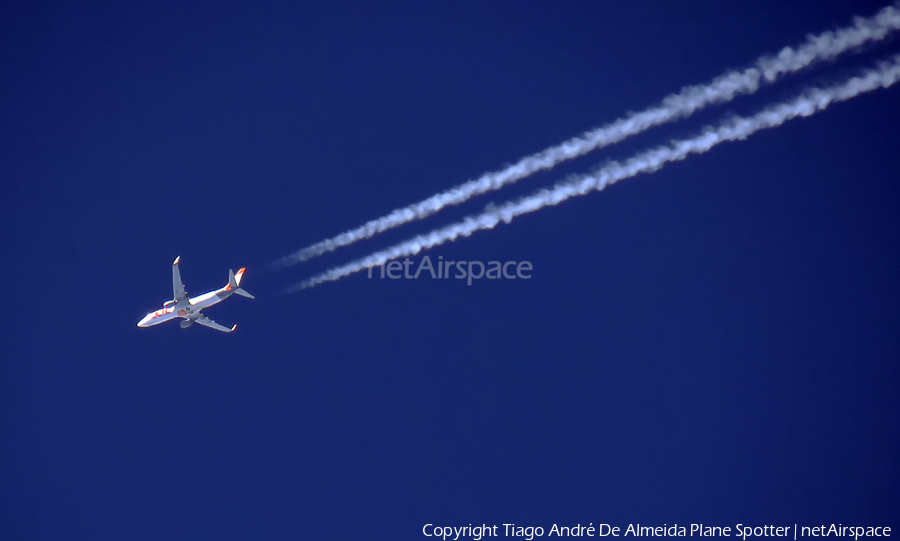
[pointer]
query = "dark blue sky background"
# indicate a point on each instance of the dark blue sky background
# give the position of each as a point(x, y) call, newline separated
point(716, 342)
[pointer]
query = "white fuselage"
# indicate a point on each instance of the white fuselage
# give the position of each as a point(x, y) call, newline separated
point(186, 309)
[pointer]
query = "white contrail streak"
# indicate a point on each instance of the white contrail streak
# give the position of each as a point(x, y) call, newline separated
point(810, 102)
point(825, 46)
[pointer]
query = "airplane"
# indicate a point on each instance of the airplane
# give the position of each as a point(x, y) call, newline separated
point(189, 308)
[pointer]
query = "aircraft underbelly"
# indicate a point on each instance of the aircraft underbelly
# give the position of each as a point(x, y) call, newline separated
point(165, 317)
point(203, 301)
point(151, 319)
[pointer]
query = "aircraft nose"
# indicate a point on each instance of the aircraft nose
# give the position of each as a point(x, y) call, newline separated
point(143, 321)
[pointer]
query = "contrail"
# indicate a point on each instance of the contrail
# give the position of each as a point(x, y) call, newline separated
point(810, 102)
point(767, 69)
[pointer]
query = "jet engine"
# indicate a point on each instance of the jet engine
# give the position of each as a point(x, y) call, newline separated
point(168, 303)
point(186, 323)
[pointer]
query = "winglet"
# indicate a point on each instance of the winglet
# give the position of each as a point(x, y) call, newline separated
point(233, 328)
point(177, 259)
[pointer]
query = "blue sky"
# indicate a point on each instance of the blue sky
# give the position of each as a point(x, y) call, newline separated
point(716, 342)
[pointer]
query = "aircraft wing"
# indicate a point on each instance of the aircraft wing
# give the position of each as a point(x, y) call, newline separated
point(178, 292)
point(206, 322)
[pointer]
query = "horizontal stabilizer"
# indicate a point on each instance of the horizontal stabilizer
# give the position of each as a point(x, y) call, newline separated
point(243, 293)
point(234, 283)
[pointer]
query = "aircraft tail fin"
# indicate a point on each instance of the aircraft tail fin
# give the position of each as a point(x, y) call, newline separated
point(234, 283)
